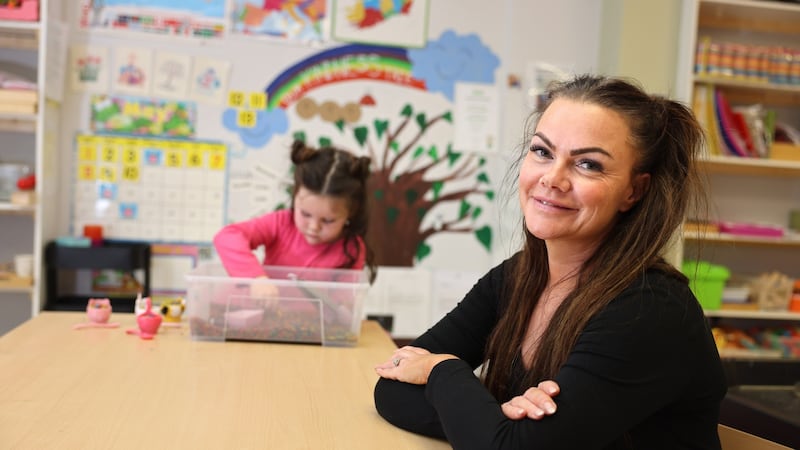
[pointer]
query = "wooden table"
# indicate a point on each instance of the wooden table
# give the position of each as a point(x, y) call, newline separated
point(104, 389)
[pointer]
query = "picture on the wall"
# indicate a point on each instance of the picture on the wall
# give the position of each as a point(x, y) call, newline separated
point(117, 114)
point(398, 23)
point(289, 20)
point(89, 68)
point(171, 73)
point(190, 18)
point(132, 70)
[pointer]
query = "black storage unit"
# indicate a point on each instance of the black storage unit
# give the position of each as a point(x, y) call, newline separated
point(63, 264)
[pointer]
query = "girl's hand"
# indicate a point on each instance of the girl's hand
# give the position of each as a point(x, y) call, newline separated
point(411, 365)
point(535, 403)
point(260, 289)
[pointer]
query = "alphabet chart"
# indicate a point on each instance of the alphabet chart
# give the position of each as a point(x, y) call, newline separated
point(149, 189)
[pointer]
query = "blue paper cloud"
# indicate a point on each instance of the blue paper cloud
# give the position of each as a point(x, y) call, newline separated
point(268, 123)
point(453, 58)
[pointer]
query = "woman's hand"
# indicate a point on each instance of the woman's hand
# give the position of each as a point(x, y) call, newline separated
point(411, 365)
point(535, 403)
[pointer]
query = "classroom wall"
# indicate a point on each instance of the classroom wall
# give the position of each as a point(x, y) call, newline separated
point(524, 36)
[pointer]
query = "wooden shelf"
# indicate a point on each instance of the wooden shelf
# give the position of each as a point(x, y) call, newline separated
point(732, 165)
point(789, 241)
point(759, 315)
point(13, 284)
point(744, 91)
point(12, 209)
point(753, 16)
point(23, 123)
point(19, 35)
point(740, 353)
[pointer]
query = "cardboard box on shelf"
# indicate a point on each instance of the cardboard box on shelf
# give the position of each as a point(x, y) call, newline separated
point(785, 151)
point(27, 10)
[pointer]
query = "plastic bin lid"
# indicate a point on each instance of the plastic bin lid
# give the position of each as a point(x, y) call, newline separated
point(705, 270)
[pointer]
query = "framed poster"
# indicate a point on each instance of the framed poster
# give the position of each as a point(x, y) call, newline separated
point(401, 23)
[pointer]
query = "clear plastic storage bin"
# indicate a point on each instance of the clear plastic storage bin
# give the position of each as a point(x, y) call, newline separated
point(315, 306)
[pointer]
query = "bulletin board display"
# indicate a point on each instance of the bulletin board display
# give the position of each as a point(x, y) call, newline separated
point(149, 189)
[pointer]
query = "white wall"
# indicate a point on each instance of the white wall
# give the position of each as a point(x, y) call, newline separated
point(522, 33)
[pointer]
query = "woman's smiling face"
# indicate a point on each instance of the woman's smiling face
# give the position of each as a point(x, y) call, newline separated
point(578, 174)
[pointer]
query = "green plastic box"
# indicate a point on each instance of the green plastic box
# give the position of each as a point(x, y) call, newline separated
point(707, 281)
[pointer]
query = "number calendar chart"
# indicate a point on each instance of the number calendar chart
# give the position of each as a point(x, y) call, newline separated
point(149, 189)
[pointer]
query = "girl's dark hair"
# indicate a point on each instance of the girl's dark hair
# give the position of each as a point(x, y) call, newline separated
point(338, 173)
point(668, 139)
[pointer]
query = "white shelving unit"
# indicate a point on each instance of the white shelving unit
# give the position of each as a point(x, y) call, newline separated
point(746, 189)
point(30, 139)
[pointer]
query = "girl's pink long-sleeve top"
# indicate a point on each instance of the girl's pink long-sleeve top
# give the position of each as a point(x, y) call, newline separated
point(283, 243)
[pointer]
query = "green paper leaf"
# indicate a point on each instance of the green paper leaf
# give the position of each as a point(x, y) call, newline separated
point(484, 236)
point(299, 136)
point(448, 116)
point(407, 111)
point(391, 214)
point(433, 153)
point(421, 120)
point(360, 134)
point(482, 177)
point(453, 157)
point(423, 250)
point(324, 142)
point(463, 209)
point(418, 152)
point(421, 212)
point(490, 195)
point(477, 212)
point(436, 187)
point(380, 127)
point(378, 194)
point(339, 124)
point(394, 146)
point(411, 196)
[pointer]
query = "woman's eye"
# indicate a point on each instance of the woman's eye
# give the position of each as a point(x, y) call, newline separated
point(589, 164)
point(305, 214)
point(540, 151)
point(327, 221)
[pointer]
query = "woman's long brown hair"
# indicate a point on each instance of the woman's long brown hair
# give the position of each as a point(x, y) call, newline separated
point(668, 139)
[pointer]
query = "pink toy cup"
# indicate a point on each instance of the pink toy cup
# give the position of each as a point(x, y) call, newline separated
point(98, 310)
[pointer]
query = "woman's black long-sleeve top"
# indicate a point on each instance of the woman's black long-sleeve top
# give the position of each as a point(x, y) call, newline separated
point(645, 374)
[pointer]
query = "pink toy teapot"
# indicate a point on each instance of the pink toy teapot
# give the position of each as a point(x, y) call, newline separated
point(148, 321)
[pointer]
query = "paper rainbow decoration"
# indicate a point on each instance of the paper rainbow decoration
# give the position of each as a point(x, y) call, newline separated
point(349, 62)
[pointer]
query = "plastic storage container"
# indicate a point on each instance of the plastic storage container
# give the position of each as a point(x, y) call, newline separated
point(9, 174)
point(707, 281)
point(314, 306)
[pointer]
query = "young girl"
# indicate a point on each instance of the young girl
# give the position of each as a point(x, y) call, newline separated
point(324, 228)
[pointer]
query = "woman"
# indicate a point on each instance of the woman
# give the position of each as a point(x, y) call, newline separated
point(587, 337)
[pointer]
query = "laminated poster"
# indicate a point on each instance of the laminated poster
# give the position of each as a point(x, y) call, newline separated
point(189, 18)
point(142, 116)
point(287, 20)
point(150, 189)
